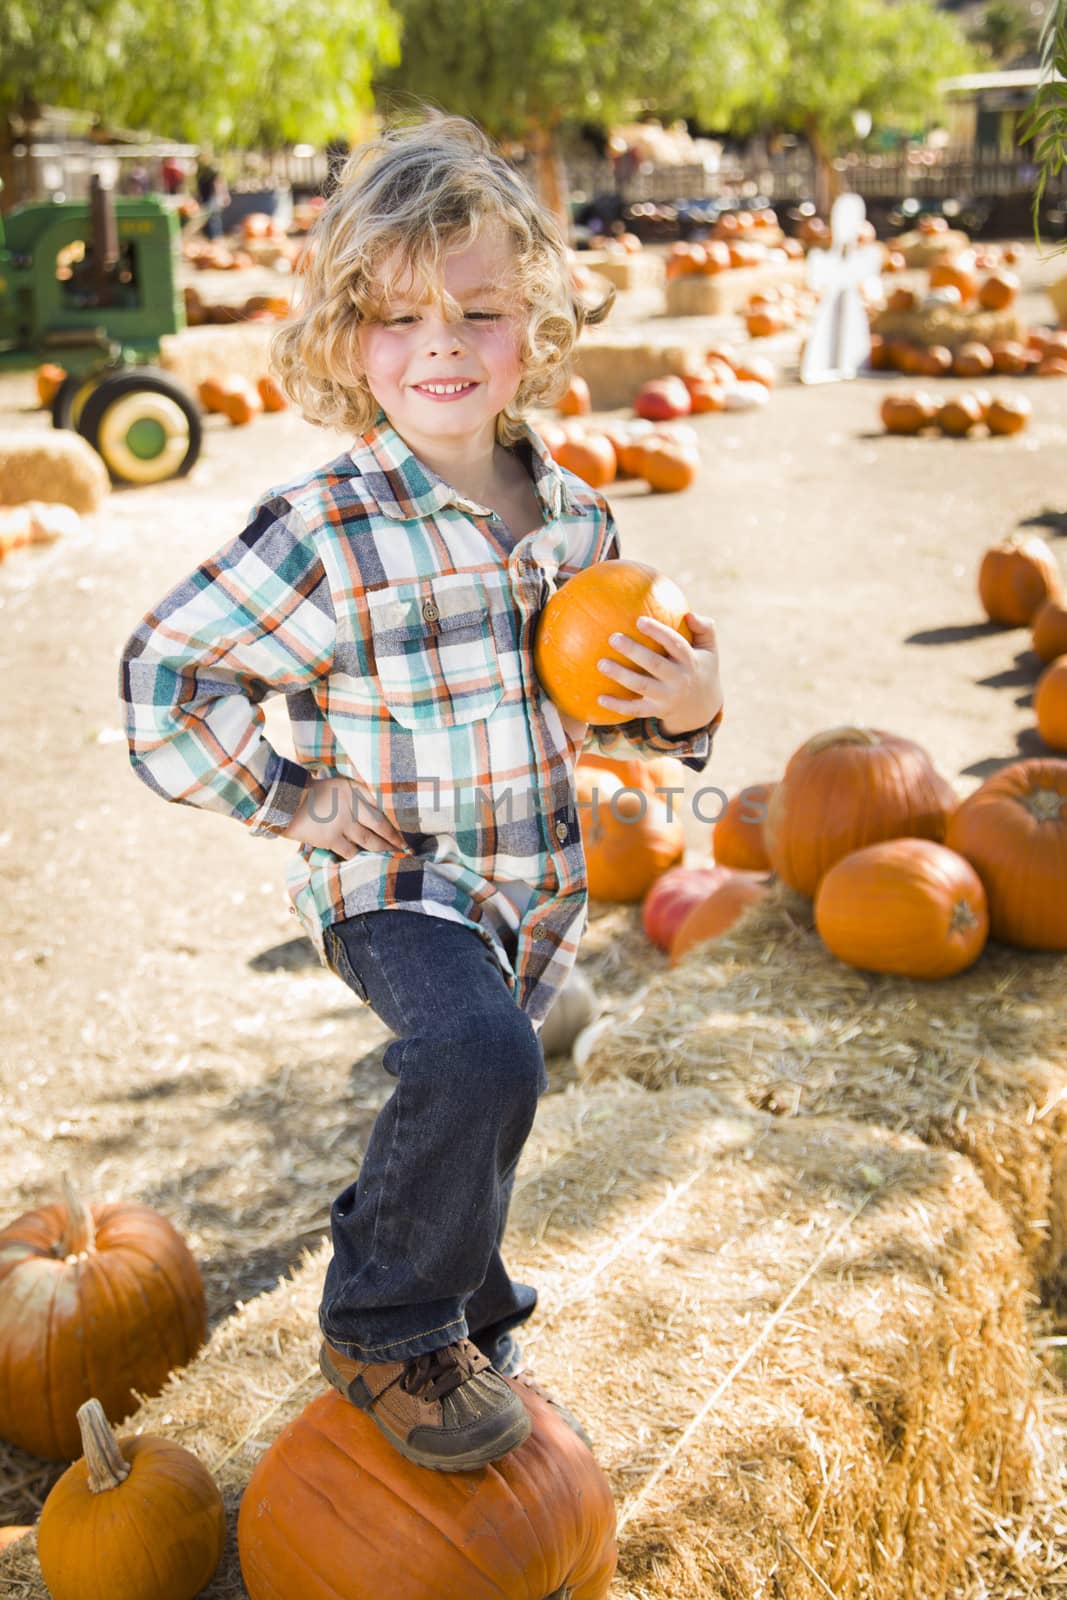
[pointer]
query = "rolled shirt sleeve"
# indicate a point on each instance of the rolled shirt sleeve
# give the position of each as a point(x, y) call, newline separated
point(256, 619)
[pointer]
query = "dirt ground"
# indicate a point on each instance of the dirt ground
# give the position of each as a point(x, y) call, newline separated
point(168, 1037)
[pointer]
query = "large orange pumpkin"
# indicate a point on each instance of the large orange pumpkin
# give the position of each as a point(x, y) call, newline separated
point(591, 458)
point(907, 906)
point(629, 839)
point(1015, 579)
point(1013, 831)
point(576, 624)
point(136, 1519)
point(92, 1303)
point(737, 837)
point(1050, 630)
point(846, 788)
point(673, 896)
point(1050, 704)
point(333, 1512)
point(660, 775)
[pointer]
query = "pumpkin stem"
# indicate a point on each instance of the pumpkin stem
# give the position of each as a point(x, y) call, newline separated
point(1044, 805)
point(843, 735)
point(79, 1234)
point(107, 1465)
point(962, 917)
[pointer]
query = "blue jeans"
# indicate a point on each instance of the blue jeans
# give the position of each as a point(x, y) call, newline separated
point(416, 1239)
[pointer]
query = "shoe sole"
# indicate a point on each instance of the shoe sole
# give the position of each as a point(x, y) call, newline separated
point(358, 1395)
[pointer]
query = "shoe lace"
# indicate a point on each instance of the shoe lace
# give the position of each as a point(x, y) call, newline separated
point(432, 1376)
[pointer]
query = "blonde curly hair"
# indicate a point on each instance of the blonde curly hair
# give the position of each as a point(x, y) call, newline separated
point(406, 199)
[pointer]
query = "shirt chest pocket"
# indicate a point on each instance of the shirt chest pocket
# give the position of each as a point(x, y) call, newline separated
point(434, 652)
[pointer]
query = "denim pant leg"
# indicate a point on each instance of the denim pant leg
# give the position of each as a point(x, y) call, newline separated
point(416, 1237)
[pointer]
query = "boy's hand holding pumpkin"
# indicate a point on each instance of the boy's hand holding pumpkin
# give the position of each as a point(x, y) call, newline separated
point(681, 687)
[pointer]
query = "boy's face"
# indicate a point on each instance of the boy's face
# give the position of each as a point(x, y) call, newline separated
point(443, 381)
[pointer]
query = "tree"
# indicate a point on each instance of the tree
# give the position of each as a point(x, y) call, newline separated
point(1005, 31)
point(1047, 123)
point(238, 72)
point(523, 68)
point(827, 59)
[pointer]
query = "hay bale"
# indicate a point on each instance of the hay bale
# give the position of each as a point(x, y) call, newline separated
point(769, 1018)
point(798, 1346)
point(644, 269)
point(616, 365)
point(57, 467)
point(923, 249)
point(697, 295)
point(240, 349)
point(948, 325)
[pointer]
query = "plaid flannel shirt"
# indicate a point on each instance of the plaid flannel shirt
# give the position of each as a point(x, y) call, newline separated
point(397, 617)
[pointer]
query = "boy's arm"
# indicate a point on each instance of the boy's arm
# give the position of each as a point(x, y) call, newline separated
point(646, 735)
point(255, 619)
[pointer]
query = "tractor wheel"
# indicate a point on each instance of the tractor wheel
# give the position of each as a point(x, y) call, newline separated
point(68, 403)
point(145, 426)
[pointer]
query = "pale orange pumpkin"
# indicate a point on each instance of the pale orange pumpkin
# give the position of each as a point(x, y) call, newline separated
point(673, 895)
point(669, 467)
point(1050, 704)
point(956, 273)
point(717, 914)
point(135, 1519)
point(1007, 414)
point(847, 788)
point(629, 840)
point(999, 291)
point(1015, 579)
point(737, 837)
point(905, 906)
point(333, 1510)
point(1013, 831)
point(576, 624)
point(1050, 630)
point(102, 1302)
point(591, 458)
point(576, 401)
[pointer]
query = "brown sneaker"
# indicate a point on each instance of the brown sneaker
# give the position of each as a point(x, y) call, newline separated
point(449, 1410)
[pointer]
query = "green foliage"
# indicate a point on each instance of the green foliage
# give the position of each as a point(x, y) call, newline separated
point(1046, 123)
point(1005, 31)
point(239, 72)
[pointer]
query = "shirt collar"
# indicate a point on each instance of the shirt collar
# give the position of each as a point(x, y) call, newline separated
point(405, 488)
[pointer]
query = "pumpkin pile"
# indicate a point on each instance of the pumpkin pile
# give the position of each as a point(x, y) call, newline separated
point(958, 417)
point(777, 309)
point(739, 239)
point(1019, 585)
point(1043, 354)
point(667, 458)
point(257, 308)
point(237, 398)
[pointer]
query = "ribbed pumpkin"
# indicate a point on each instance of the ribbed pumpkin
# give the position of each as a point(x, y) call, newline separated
point(661, 773)
point(846, 788)
point(906, 906)
point(135, 1519)
point(1050, 704)
point(629, 840)
point(716, 915)
point(96, 1302)
point(1015, 579)
point(737, 837)
point(333, 1512)
point(574, 628)
point(1050, 630)
point(1013, 831)
point(673, 896)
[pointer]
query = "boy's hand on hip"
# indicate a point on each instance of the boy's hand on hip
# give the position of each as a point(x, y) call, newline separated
point(680, 687)
point(336, 814)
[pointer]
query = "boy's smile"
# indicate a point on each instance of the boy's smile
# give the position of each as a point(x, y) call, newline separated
point(442, 379)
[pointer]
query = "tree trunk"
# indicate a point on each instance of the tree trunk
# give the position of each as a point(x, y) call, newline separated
point(551, 176)
point(827, 178)
point(8, 177)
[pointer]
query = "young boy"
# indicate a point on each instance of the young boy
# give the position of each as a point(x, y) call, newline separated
point(392, 596)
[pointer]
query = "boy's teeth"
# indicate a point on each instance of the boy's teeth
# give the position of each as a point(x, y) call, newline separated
point(444, 388)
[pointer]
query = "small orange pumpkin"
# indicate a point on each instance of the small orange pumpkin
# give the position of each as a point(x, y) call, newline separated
point(1050, 704)
point(575, 625)
point(1050, 630)
point(904, 906)
point(935, 361)
point(669, 467)
point(717, 914)
point(1015, 579)
point(955, 274)
point(1010, 358)
point(271, 393)
point(1007, 414)
point(908, 413)
point(49, 378)
point(576, 401)
point(957, 417)
point(737, 837)
point(673, 895)
point(999, 291)
point(210, 393)
point(756, 369)
point(591, 458)
point(972, 360)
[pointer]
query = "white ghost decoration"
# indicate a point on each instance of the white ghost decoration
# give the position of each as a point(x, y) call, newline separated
point(839, 339)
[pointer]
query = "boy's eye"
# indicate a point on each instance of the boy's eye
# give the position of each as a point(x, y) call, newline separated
point(396, 322)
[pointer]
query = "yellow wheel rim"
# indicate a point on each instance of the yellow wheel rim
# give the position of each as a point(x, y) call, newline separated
point(144, 437)
point(80, 396)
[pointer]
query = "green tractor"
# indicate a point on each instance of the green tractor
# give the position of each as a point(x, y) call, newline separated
point(92, 287)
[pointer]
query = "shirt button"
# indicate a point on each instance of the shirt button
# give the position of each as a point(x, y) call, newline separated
point(561, 831)
point(430, 611)
point(537, 932)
